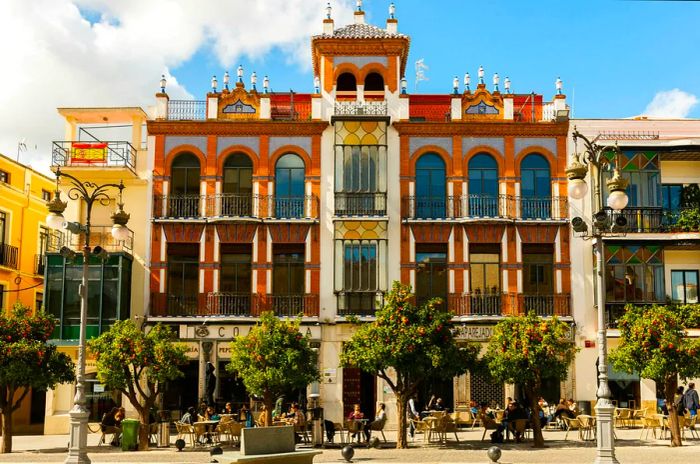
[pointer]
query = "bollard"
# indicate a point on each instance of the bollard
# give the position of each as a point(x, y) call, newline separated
point(494, 453)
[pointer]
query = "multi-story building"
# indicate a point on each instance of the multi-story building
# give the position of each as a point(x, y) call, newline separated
point(314, 203)
point(655, 261)
point(24, 241)
point(98, 147)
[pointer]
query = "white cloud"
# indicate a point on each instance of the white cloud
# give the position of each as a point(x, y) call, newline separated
point(671, 104)
point(54, 56)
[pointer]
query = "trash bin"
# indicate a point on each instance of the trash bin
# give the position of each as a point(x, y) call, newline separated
point(130, 434)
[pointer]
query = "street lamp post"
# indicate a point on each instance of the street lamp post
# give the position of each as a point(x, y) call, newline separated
point(595, 159)
point(90, 193)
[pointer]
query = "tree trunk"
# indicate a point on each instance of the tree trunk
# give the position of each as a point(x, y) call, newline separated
point(537, 437)
point(670, 387)
point(6, 444)
point(267, 401)
point(144, 429)
point(401, 441)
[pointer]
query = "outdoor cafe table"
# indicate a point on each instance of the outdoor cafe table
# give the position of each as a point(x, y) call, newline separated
point(357, 426)
point(208, 425)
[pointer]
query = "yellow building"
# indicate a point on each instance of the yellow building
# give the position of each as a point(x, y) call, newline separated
point(24, 240)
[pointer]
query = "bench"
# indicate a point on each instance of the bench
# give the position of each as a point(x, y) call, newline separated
point(268, 445)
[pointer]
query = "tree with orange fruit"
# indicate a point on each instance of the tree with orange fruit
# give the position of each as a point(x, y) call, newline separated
point(273, 359)
point(526, 350)
point(405, 345)
point(654, 343)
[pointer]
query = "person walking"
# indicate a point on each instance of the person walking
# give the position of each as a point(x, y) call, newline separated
point(690, 400)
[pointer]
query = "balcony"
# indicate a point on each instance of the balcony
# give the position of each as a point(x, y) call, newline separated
point(503, 304)
point(497, 207)
point(178, 206)
point(233, 304)
point(360, 204)
point(8, 255)
point(288, 207)
point(360, 108)
point(187, 110)
point(99, 235)
point(94, 155)
point(647, 219)
point(359, 303)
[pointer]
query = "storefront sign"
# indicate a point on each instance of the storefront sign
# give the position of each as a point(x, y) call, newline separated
point(229, 332)
point(191, 350)
point(473, 332)
point(329, 376)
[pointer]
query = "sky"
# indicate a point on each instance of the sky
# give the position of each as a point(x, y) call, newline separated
point(616, 58)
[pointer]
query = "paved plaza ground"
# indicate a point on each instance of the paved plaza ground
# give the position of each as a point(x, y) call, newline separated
point(630, 449)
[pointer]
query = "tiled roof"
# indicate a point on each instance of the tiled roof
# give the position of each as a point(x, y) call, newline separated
point(360, 31)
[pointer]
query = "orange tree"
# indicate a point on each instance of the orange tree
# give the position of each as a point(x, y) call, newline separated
point(138, 365)
point(405, 345)
point(654, 344)
point(526, 350)
point(27, 362)
point(273, 358)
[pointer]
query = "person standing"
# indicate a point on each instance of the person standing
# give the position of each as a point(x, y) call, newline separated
point(210, 384)
point(690, 400)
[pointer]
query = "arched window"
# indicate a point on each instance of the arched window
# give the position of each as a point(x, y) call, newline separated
point(430, 187)
point(535, 187)
point(346, 83)
point(289, 187)
point(184, 188)
point(483, 186)
point(374, 82)
point(237, 196)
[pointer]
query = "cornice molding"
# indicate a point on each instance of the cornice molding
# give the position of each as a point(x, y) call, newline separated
point(482, 128)
point(256, 128)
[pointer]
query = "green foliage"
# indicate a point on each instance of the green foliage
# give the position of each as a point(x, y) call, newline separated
point(653, 342)
point(415, 341)
point(689, 220)
point(274, 357)
point(690, 196)
point(26, 359)
point(527, 350)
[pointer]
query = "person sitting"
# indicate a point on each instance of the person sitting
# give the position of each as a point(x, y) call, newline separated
point(473, 408)
point(439, 405)
point(563, 410)
point(355, 415)
point(109, 425)
point(190, 416)
point(573, 407)
point(120, 416)
point(378, 422)
point(211, 415)
point(228, 409)
point(516, 412)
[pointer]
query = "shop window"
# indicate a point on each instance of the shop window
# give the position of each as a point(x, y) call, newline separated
point(431, 273)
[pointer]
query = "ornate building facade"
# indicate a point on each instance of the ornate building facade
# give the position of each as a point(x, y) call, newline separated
point(315, 203)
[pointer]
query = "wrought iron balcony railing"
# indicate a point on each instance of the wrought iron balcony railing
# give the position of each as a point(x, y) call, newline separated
point(167, 304)
point(178, 206)
point(642, 219)
point(502, 304)
point(233, 205)
point(39, 264)
point(233, 304)
point(361, 108)
point(545, 305)
point(187, 110)
point(360, 204)
point(99, 235)
point(484, 207)
point(93, 154)
point(8, 255)
point(292, 305)
point(359, 303)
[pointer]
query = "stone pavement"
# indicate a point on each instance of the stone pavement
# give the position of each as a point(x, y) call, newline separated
point(630, 449)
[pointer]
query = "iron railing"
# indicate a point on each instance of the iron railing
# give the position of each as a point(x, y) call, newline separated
point(98, 154)
point(99, 235)
point(288, 207)
point(231, 205)
point(187, 110)
point(647, 218)
point(359, 303)
point(178, 206)
point(361, 108)
point(545, 305)
point(360, 204)
point(168, 304)
point(484, 207)
point(233, 304)
point(295, 111)
point(39, 264)
point(8, 255)
point(292, 305)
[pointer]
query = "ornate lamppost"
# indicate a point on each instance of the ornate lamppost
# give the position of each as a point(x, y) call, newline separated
point(596, 159)
point(90, 193)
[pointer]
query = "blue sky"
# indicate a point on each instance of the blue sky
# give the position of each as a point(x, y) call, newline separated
point(616, 58)
point(613, 56)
